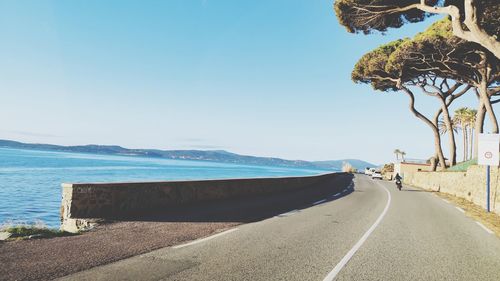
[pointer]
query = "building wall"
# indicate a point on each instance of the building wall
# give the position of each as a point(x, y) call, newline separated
point(404, 168)
point(470, 185)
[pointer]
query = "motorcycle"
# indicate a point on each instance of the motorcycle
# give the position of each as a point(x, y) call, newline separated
point(399, 185)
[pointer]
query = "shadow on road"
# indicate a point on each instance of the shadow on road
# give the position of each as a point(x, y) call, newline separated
point(244, 210)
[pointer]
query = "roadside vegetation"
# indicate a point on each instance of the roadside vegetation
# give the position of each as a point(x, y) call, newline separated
point(456, 56)
point(462, 167)
point(387, 171)
point(348, 168)
point(30, 231)
point(464, 120)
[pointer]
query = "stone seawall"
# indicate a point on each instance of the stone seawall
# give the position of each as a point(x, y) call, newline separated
point(83, 203)
point(470, 185)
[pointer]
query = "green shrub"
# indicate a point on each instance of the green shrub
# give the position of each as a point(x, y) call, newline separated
point(35, 230)
point(463, 166)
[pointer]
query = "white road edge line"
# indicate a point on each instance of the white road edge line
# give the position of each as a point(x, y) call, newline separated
point(319, 202)
point(484, 227)
point(288, 213)
point(356, 247)
point(345, 190)
point(460, 209)
point(204, 239)
point(446, 201)
point(337, 194)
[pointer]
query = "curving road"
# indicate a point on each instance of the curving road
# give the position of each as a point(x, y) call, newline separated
point(370, 231)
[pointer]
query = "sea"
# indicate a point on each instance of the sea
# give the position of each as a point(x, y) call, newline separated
point(30, 180)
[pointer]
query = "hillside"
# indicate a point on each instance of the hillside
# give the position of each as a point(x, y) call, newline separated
point(198, 155)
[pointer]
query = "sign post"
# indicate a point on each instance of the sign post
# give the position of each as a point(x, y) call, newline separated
point(488, 188)
point(488, 154)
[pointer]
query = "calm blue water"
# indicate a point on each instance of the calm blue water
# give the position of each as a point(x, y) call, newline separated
point(30, 181)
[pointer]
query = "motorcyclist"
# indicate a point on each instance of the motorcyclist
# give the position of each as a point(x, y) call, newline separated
point(398, 179)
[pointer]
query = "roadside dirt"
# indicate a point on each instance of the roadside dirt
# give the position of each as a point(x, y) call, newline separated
point(45, 259)
point(490, 220)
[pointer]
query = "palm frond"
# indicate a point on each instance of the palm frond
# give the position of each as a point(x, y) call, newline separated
point(443, 129)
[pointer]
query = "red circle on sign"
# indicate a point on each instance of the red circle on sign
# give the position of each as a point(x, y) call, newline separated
point(488, 155)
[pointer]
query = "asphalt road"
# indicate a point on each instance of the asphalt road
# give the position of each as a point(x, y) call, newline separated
point(370, 231)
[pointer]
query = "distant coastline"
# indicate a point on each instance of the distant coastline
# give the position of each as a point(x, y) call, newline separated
point(220, 156)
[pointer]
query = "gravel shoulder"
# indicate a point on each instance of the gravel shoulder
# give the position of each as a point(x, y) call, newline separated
point(45, 259)
point(490, 220)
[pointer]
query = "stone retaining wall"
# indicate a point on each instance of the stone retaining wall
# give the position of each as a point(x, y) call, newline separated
point(470, 185)
point(83, 203)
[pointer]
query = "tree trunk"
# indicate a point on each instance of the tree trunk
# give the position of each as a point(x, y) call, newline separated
point(433, 163)
point(483, 93)
point(483, 39)
point(476, 33)
point(471, 140)
point(435, 131)
point(479, 126)
point(484, 105)
point(464, 140)
point(485, 99)
point(451, 133)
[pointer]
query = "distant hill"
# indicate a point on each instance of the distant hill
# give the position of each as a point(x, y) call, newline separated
point(337, 164)
point(198, 155)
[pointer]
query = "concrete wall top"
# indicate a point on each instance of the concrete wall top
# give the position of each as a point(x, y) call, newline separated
point(144, 183)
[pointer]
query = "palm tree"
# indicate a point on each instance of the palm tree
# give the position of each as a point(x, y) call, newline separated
point(461, 119)
point(397, 152)
point(443, 129)
point(471, 120)
point(403, 155)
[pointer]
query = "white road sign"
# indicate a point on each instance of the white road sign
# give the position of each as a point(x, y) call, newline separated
point(488, 149)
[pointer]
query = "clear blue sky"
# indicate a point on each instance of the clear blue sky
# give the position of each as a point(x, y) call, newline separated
point(266, 78)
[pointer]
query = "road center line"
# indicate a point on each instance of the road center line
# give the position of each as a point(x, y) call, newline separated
point(205, 239)
point(319, 202)
point(484, 227)
point(356, 247)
